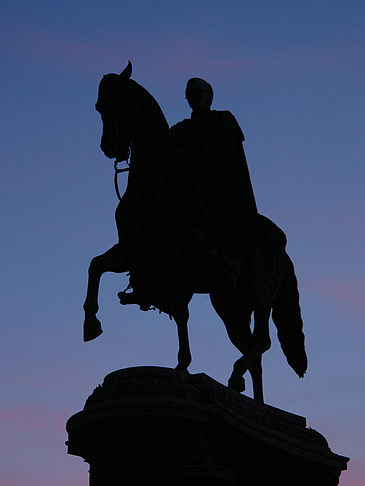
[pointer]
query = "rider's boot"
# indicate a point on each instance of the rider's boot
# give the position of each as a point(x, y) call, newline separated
point(126, 298)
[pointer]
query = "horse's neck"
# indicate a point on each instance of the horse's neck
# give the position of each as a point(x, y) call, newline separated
point(151, 127)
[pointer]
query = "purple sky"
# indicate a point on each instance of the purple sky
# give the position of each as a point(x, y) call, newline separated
point(293, 75)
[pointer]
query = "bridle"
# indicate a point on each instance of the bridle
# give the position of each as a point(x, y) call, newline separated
point(118, 171)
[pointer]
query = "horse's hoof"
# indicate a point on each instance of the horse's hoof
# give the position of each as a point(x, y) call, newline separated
point(237, 384)
point(181, 368)
point(92, 328)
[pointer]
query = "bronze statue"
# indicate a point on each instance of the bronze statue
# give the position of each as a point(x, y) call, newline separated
point(187, 223)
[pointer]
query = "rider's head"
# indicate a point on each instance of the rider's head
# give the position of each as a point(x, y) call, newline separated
point(199, 94)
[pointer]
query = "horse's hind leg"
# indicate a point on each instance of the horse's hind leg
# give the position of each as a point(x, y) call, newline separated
point(112, 260)
point(181, 317)
point(255, 370)
point(251, 361)
point(235, 313)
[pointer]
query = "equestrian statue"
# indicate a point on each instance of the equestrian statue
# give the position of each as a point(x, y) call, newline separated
point(188, 223)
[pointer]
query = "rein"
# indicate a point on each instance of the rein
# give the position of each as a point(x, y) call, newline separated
point(116, 172)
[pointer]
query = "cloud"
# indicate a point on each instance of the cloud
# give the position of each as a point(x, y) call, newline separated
point(33, 416)
point(354, 476)
point(348, 294)
point(173, 52)
point(39, 44)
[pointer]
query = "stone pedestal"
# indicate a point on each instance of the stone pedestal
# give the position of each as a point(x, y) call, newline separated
point(157, 426)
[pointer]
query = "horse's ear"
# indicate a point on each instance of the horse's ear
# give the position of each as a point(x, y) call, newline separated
point(126, 73)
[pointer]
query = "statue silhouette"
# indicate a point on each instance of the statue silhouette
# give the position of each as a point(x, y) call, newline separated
point(187, 223)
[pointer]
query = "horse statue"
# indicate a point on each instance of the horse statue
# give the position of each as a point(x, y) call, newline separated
point(158, 251)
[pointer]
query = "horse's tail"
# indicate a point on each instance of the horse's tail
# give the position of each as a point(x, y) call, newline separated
point(288, 321)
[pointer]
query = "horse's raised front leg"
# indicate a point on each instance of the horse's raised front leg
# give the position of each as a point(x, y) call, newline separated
point(181, 317)
point(113, 260)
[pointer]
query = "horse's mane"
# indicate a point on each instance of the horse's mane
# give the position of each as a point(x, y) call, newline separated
point(153, 117)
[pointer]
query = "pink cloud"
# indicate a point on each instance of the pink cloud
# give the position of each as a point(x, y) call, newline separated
point(46, 46)
point(348, 294)
point(354, 476)
point(177, 56)
point(33, 416)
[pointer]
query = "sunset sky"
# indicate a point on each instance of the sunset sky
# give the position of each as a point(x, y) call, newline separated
point(292, 72)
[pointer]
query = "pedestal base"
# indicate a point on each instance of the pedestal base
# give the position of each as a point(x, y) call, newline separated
point(150, 425)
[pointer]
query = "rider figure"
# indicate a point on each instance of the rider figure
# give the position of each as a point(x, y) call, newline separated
point(219, 201)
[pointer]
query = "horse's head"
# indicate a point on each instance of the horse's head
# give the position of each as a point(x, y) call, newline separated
point(130, 115)
point(114, 105)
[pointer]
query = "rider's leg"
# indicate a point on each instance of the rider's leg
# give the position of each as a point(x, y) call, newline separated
point(127, 298)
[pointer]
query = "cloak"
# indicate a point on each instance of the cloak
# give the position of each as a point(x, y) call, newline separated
point(211, 195)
